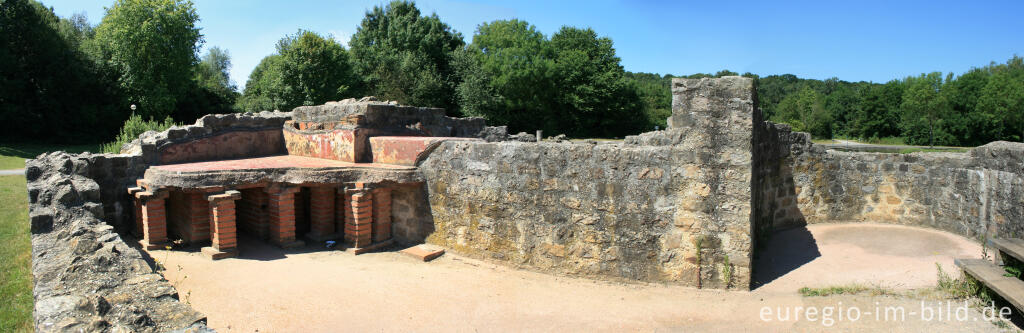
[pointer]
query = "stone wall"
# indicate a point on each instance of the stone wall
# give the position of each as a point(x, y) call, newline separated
point(86, 278)
point(955, 192)
point(213, 137)
point(671, 206)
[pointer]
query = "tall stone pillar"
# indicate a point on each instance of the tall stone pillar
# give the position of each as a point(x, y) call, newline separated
point(223, 228)
point(281, 208)
point(321, 220)
point(154, 219)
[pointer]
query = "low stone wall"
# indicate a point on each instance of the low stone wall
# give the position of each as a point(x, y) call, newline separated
point(604, 211)
point(213, 137)
point(669, 206)
point(86, 278)
point(955, 192)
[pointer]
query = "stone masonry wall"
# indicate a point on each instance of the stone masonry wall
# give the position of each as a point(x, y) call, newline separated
point(974, 194)
point(955, 192)
point(672, 206)
point(86, 278)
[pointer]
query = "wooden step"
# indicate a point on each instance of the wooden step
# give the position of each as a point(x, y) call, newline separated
point(993, 277)
point(1013, 247)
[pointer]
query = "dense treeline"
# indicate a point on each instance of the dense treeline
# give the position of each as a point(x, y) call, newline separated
point(64, 80)
point(983, 105)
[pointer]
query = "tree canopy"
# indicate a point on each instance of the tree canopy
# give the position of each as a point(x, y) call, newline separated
point(404, 56)
point(152, 45)
point(308, 69)
point(571, 83)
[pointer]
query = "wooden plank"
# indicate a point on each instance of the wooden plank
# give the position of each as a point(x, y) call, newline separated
point(992, 276)
point(1013, 247)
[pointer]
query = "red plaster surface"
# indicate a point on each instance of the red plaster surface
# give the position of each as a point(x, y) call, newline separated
point(269, 162)
point(404, 150)
point(225, 146)
point(342, 145)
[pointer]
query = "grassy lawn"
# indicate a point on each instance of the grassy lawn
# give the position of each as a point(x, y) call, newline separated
point(13, 155)
point(15, 255)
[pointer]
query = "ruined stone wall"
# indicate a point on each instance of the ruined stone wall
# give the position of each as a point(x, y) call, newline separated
point(671, 206)
point(86, 278)
point(955, 192)
point(773, 188)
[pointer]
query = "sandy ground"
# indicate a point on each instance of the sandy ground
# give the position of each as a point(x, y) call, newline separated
point(268, 290)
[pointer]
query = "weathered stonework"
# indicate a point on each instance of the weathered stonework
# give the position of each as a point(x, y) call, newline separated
point(955, 192)
point(86, 277)
point(669, 206)
point(686, 205)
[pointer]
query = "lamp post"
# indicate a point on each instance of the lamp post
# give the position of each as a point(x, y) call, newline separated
point(133, 108)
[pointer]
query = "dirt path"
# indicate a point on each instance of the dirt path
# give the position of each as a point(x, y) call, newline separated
point(268, 291)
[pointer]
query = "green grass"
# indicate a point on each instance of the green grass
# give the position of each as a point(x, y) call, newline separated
point(13, 155)
point(891, 141)
point(15, 255)
point(933, 150)
point(850, 289)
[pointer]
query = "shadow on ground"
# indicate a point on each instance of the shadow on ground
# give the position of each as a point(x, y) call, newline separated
point(784, 252)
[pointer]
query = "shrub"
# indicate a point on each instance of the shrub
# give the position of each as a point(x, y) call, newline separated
point(133, 127)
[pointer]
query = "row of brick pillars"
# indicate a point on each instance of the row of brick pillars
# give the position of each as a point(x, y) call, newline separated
point(363, 214)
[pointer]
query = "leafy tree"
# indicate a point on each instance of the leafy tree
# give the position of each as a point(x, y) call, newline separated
point(1001, 101)
point(212, 73)
point(595, 97)
point(805, 112)
point(308, 70)
point(314, 69)
point(49, 90)
point(212, 91)
point(877, 114)
point(976, 127)
point(407, 57)
point(655, 96)
point(508, 74)
point(264, 91)
point(152, 45)
point(926, 111)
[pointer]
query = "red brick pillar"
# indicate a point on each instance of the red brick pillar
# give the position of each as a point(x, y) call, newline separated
point(321, 211)
point(223, 230)
point(281, 208)
point(138, 210)
point(341, 207)
point(198, 213)
point(154, 219)
point(381, 214)
point(359, 218)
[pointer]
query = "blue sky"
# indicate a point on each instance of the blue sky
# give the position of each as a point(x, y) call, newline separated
point(852, 40)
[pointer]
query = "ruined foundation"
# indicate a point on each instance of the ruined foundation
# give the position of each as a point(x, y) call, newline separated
point(688, 205)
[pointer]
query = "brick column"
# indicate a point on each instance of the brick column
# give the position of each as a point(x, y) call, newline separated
point(359, 218)
point(321, 220)
point(381, 214)
point(223, 230)
point(341, 207)
point(154, 219)
point(281, 208)
point(138, 210)
point(198, 214)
